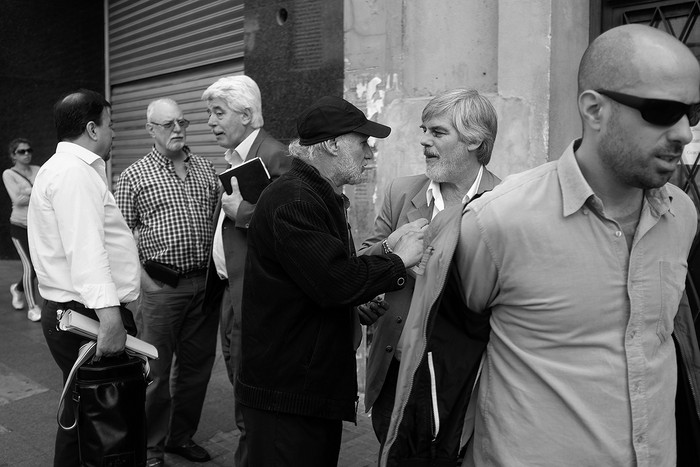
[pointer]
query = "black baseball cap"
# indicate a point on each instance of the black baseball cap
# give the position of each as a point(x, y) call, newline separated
point(331, 116)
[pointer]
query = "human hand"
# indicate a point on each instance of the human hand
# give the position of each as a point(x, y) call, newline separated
point(111, 336)
point(147, 282)
point(410, 247)
point(230, 203)
point(414, 226)
point(371, 311)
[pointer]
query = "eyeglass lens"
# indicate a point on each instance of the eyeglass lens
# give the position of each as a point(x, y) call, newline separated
point(169, 125)
point(22, 152)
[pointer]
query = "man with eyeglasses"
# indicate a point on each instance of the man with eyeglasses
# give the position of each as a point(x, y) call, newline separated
point(581, 264)
point(168, 199)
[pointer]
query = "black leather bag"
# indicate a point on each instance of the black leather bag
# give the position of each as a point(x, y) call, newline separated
point(109, 399)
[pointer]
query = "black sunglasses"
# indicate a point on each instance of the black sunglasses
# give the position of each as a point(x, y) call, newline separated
point(22, 152)
point(657, 111)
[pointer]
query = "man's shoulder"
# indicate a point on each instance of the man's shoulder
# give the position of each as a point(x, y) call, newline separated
point(680, 201)
point(139, 165)
point(269, 145)
point(520, 188)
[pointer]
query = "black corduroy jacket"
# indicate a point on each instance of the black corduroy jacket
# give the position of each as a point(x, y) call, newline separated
point(302, 280)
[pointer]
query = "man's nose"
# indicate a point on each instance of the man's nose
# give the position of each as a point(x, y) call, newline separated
point(680, 132)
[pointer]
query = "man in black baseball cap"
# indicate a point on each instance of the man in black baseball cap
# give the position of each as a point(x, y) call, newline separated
point(300, 327)
point(332, 116)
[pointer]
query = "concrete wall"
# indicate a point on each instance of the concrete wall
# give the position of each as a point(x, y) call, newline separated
point(523, 55)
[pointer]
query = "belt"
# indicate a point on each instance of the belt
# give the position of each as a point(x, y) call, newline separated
point(194, 273)
point(77, 306)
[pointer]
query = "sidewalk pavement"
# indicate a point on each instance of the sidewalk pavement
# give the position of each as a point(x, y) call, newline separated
point(30, 386)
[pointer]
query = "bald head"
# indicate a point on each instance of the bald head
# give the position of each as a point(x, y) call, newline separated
point(634, 56)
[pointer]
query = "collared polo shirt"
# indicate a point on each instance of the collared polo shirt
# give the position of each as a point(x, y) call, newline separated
point(580, 369)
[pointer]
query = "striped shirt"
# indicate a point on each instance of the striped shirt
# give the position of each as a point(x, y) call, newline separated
point(171, 217)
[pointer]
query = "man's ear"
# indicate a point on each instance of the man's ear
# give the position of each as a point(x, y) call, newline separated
point(246, 116)
point(331, 146)
point(150, 129)
point(474, 146)
point(91, 130)
point(590, 106)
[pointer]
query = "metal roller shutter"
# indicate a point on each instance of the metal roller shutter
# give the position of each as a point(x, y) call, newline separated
point(158, 37)
point(170, 49)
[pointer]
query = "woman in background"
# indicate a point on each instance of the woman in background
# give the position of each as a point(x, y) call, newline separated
point(19, 180)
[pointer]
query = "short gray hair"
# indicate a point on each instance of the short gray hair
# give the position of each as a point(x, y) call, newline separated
point(152, 106)
point(473, 116)
point(239, 92)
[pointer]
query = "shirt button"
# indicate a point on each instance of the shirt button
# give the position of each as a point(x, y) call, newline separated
point(585, 212)
point(640, 439)
point(400, 281)
point(398, 319)
point(389, 348)
point(633, 334)
point(618, 234)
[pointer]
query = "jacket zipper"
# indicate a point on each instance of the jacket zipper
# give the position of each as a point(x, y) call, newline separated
point(433, 397)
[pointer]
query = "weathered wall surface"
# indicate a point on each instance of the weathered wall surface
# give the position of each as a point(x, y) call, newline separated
point(522, 55)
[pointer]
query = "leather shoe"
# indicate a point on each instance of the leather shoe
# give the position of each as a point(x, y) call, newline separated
point(155, 462)
point(190, 451)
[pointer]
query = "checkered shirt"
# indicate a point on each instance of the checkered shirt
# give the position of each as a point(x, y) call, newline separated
point(171, 217)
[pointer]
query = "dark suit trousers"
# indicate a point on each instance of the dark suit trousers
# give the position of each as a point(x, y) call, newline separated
point(231, 350)
point(172, 319)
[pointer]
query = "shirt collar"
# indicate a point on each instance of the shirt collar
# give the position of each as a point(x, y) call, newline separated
point(82, 153)
point(433, 192)
point(576, 191)
point(243, 148)
point(164, 161)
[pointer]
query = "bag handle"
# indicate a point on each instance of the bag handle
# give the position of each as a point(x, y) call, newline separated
point(86, 352)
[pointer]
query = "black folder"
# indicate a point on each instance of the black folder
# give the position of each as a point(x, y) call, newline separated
point(252, 176)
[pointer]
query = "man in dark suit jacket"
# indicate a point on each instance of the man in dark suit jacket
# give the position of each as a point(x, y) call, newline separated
point(235, 118)
point(459, 129)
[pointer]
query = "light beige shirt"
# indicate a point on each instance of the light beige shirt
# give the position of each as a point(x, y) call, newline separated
point(79, 242)
point(580, 369)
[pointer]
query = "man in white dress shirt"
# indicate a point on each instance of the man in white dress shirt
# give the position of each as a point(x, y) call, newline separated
point(83, 252)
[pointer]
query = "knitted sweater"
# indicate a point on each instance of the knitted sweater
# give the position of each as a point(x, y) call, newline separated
point(302, 280)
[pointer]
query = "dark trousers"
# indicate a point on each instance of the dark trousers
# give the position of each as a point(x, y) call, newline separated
point(64, 348)
point(230, 330)
point(284, 440)
point(173, 320)
point(384, 405)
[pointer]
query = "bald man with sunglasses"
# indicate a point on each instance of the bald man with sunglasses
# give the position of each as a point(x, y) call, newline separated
point(581, 265)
